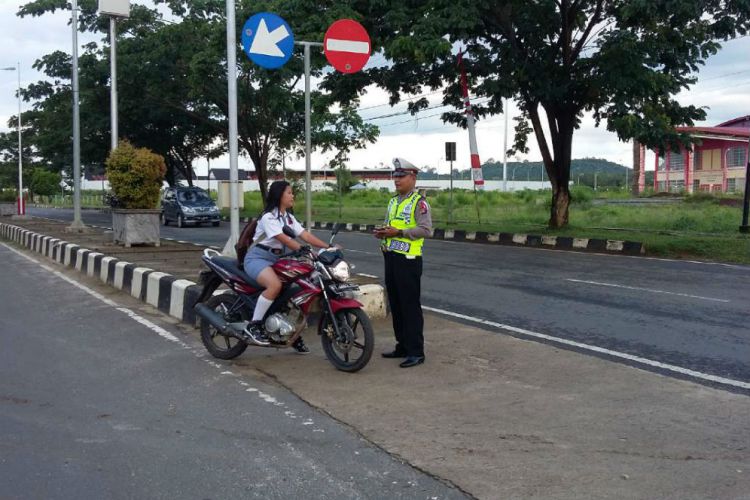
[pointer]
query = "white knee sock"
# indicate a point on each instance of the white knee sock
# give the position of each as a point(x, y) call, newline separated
point(261, 307)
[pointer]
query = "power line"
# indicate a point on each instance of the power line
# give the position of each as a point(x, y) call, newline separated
point(407, 100)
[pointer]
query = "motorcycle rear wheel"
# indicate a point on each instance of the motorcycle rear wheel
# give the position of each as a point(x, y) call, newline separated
point(353, 350)
point(219, 345)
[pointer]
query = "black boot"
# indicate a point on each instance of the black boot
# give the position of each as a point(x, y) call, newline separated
point(300, 347)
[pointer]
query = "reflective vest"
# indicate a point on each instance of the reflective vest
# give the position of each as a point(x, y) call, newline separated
point(402, 216)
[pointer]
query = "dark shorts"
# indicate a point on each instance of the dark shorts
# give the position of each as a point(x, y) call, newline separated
point(258, 259)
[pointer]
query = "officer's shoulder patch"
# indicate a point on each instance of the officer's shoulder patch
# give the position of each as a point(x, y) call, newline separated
point(423, 206)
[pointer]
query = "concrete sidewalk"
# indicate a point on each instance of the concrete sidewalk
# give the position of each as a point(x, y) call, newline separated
point(507, 418)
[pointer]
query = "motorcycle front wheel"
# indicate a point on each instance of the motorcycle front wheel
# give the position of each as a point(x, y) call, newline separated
point(219, 345)
point(351, 350)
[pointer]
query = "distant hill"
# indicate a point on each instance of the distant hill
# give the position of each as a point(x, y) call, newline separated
point(581, 170)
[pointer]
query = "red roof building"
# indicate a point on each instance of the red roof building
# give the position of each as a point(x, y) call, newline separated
point(717, 162)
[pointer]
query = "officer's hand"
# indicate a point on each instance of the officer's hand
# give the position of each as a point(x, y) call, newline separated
point(388, 232)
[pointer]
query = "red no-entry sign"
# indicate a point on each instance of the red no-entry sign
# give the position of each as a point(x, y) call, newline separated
point(347, 45)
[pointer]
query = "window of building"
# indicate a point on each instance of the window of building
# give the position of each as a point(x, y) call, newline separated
point(662, 166)
point(696, 185)
point(736, 157)
point(698, 160)
point(731, 185)
point(676, 186)
point(661, 186)
point(709, 159)
point(676, 161)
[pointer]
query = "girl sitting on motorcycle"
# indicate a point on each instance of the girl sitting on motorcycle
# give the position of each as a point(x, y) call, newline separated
point(269, 243)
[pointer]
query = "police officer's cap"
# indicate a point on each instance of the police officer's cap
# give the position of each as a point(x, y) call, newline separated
point(403, 168)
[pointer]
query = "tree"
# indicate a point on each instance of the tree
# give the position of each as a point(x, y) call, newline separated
point(173, 88)
point(621, 60)
point(44, 183)
point(270, 102)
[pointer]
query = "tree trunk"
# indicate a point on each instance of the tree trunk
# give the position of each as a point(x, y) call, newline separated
point(559, 212)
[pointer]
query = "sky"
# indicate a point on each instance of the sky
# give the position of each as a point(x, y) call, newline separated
point(723, 87)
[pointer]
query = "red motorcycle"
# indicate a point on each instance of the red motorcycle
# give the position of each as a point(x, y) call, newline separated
point(312, 283)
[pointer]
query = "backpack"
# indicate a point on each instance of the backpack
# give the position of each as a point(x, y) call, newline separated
point(245, 241)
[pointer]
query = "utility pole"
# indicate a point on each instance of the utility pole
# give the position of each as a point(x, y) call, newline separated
point(595, 174)
point(77, 225)
point(234, 211)
point(20, 203)
point(505, 148)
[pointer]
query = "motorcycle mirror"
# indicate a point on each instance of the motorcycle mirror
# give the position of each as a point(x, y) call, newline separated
point(289, 231)
point(336, 228)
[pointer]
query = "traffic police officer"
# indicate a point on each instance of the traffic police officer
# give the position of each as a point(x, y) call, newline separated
point(407, 222)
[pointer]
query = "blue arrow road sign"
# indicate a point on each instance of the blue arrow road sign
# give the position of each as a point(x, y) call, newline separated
point(267, 40)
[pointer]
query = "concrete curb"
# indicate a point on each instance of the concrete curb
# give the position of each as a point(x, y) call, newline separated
point(515, 239)
point(171, 295)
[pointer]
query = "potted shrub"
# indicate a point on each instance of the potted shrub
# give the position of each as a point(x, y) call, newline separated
point(135, 176)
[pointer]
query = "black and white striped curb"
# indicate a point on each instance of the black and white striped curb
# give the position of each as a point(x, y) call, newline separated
point(165, 292)
point(528, 240)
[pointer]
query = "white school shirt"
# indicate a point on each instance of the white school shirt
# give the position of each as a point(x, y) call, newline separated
point(271, 225)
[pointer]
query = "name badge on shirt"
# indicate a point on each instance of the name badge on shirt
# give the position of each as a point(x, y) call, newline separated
point(399, 246)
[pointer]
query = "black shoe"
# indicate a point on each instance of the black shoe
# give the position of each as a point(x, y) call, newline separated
point(412, 361)
point(254, 334)
point(300, 347)
point(394, 354)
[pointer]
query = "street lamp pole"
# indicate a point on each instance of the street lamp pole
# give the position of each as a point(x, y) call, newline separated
point(77, 225)
point(21, 207)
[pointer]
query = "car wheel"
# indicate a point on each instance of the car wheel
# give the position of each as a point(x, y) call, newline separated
point(215, 224)
point(164, 220)
point(180, 221)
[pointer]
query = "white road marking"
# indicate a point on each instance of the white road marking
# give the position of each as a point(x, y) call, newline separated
point(601, 350)
point(651, 290)
point(367, 275)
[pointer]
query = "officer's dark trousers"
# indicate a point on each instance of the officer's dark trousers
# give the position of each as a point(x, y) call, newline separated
point(403, 278)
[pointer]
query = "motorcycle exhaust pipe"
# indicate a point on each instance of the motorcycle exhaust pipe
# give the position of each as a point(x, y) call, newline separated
point(218, 322)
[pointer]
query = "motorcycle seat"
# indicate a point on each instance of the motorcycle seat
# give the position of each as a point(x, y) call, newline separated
point(230, 264)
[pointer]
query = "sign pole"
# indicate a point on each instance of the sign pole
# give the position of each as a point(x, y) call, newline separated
point(113, 71)
point(234, 213)
point(450, 204)
point(308, 139)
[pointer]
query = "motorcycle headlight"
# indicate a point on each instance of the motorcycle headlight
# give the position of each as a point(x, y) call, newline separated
point(340, 271)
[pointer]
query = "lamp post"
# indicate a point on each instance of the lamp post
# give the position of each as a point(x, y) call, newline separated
point(77, 225)
point(114, 9)
point(21, 205)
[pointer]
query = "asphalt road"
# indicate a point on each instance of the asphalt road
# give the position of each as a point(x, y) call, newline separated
point(98, 401)
point(691, 315)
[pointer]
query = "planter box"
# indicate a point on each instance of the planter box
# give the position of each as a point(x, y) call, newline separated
point(136, 227)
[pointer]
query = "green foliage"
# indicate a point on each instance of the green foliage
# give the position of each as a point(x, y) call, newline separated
point(581, 194)
point(136, 176)
point(7, 195)
point(44, 183)
point(621, 61)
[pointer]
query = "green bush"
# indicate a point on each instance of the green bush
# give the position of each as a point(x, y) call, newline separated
point(135, 175)
point(44, 183)
point(581, 194)
point(7, 195)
